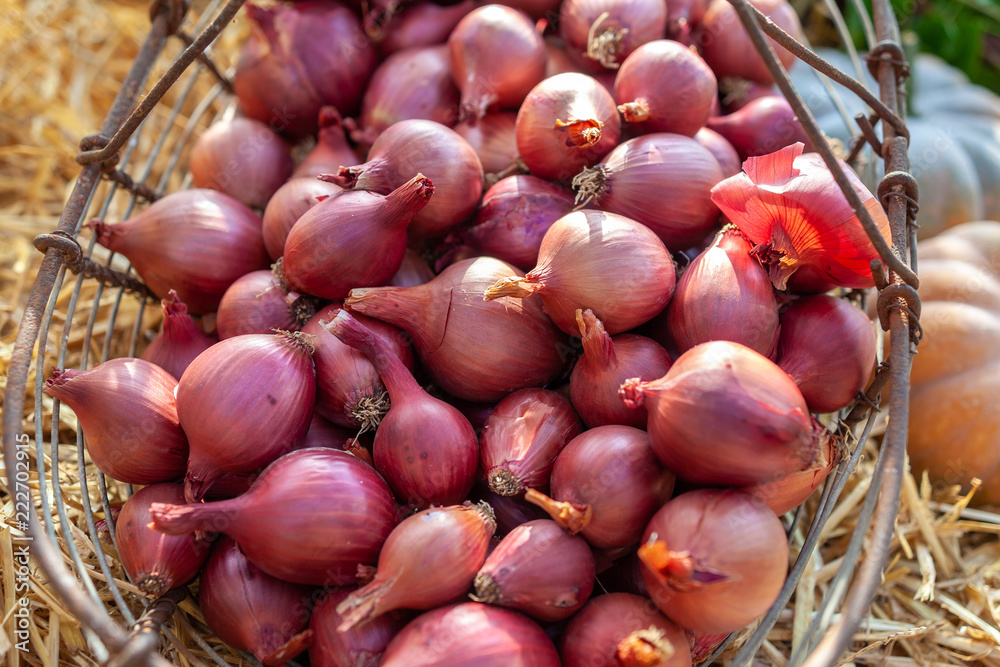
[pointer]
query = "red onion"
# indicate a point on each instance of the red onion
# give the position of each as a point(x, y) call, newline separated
point(649, 106)
point(352, 240)
point(300, 58)
point(471, 634)
point(287, 205)
point(322, 433)
point(787, 493)
point(415, 83)
point(522, 438)
point(514, 216)
point(724, 294)
point(567, 122)
point(243, 403)
point(311, 517)
point(536, 9)
point(538, 569)
point(229, 486)
point(180, 341)
point(723, 151)
point(623, 575)
point(763, 126)
point(361, 646)
point(428, 560)
point(127, 411)
point(605, 32)
point(493, 139)
point(243, 158)
point(425, 448)
point(476, 350)
point(805, 233)
point(727, 48)
point(623, 630)
point(331, 150)
point(606, 484)
point(603, 261)
point(827, 345)
point(154, 561)
point(683, 16)
point(640, 174)
point(605, 364)
point(412, 272)
point(724, 414)
point(423, 24)
point(422, 146)
point(197, 242)
point(349, 391)
point(699, 575)
point(497, 57)
point(250, 610)
point(257, 303)
point(510, 511)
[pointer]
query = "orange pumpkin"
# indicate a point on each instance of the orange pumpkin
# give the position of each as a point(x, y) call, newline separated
point(954, 422)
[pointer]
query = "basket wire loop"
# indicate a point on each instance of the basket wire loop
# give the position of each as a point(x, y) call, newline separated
point(107, 155)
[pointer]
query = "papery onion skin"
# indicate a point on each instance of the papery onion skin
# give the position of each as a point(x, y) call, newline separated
point(724, 294)
point(497, 57)
point(180, 342)
point(538, 569)
point(601, 34)
point(243, 158)
point(471, 634)
point(311, 517)
point(606, 363)
point(331, 150)
point(785, 494)
point(361, 646)
point(623, 630)
point(154, 561)
point(827, 345)
point(475, 350)
point(763, 126)
point(614, 470)
point(567, 122)
point(726, 46)
point(428, 560)
point(522, 438)
point(514, 215)
point(349, 391)
point(723, 151)
point(256, 303)
point(197, 242)
point(649, 106)
point(804, 231)
point(299, 59)
point(356, 239)
point(493, 139)
point(128, 414)
point(606, 262)
point(726, 415)
point(699, 575)
point(271, 378)
point(422, 146)
point(251, 610)
point(639, 175)
point(287, 205)
point(423, 24)
point(425, 448)
point(415, 83)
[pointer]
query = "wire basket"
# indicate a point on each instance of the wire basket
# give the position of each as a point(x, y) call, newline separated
point(128, 162)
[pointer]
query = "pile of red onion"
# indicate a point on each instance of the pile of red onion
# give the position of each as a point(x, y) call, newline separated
point(456, 411)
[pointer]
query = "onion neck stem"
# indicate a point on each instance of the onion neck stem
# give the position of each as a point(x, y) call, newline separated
point(603, 45)
point(645, 648)
point(598, 348)
point(636, 111)
point(581, 133)
point(573, 518)
point(514, 286)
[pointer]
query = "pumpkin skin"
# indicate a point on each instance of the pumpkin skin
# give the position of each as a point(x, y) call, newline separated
point(954, 420)
point(954, 138)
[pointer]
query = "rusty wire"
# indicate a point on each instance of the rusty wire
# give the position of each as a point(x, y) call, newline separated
point(898, 308)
